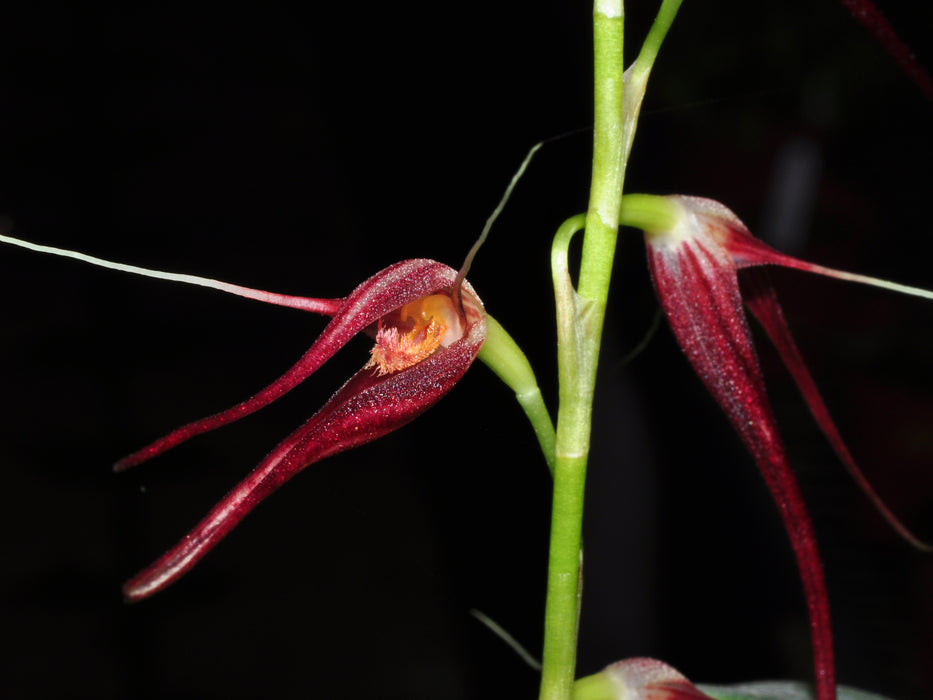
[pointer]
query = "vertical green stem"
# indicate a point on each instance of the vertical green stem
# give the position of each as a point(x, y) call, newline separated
point(563, 597)
point(580, 321)
point(580, 316)
point(602, 221)
point(503, 356)
point(563, 585)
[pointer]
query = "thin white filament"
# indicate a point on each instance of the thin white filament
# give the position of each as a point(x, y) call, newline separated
point(507, 638)
point(872, 281)
point(321, 306)
point(465, 268)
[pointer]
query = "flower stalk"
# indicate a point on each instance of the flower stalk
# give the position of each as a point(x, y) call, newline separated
point(579, 329)
point(580, 318)
point(503, 356)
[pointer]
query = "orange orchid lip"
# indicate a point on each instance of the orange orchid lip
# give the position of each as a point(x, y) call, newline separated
point(414, 332)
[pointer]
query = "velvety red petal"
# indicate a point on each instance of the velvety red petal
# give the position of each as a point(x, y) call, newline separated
point(364, 409)
point(380, 294)
point(748, 253)
point(762, 301)
point(698, 289)
point(725, 228)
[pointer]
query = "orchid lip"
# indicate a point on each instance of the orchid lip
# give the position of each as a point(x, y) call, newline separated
point(416, 330)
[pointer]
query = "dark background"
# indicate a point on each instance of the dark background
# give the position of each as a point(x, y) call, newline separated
point(301, 149)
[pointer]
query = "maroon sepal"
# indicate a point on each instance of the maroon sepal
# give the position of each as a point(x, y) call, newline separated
point(761, 300)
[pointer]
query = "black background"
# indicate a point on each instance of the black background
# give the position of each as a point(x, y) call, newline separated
point(300, 149)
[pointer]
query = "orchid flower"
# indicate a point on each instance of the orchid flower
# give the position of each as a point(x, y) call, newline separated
point(429, 326)
point(650, 679)
point(694, 259)
point(425, 342)
point(637, 679)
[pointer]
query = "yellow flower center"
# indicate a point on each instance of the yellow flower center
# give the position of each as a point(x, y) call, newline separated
point(412, 334)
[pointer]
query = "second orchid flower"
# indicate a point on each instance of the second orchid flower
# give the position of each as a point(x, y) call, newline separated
point(694, 262)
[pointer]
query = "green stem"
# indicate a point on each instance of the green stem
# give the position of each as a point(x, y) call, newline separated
point(580, 317)
point(563, 584)
point(579, 328)
point(608, 166)
point(599, 686)
point(656, 36)
point(650, 212)
point(636, 77)
point(503, 356)
point(562, 611)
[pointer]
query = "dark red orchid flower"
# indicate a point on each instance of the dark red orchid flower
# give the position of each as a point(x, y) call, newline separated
point(428, 331)
point(694, 268)
point(427, 335)
point(429, 326)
